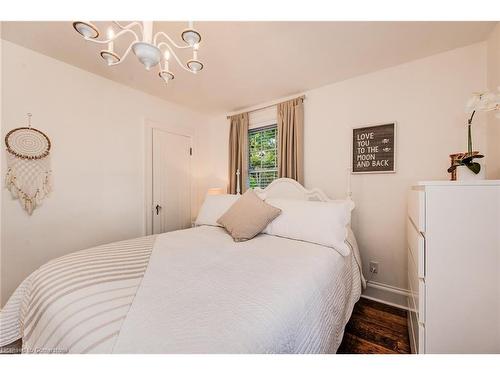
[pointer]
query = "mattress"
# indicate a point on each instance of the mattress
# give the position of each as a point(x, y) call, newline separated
point(188, 291)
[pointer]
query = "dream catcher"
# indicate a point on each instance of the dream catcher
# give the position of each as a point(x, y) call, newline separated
point(28, 165)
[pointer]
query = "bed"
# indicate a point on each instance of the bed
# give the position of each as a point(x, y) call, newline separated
point(190, 291)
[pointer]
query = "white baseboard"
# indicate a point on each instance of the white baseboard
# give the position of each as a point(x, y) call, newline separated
point(388, 294)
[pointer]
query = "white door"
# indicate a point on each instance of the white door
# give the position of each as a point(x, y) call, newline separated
point(171, 208)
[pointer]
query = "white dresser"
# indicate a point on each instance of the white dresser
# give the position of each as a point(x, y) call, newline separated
point(453, 236)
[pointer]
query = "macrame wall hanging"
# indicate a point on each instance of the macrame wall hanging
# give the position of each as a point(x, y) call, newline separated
point(28, 165)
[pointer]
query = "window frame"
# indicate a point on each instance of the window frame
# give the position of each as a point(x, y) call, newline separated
point(259, 129)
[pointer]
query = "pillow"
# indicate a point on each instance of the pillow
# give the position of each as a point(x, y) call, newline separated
point(322, 223)
point(248, 216)
point(214, 207)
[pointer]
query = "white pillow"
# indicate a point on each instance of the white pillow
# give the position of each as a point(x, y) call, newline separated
point(214, 207)
point(323, 223)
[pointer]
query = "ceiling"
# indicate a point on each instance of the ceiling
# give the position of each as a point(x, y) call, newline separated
point(247, 63)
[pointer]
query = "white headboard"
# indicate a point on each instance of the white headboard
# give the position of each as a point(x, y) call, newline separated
point(290, 189)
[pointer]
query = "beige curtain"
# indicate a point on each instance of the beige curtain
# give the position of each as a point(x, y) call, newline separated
point(238, 152)
point(291, 139)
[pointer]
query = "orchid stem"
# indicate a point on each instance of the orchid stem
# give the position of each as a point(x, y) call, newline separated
point(469, 143)
point(469, 134)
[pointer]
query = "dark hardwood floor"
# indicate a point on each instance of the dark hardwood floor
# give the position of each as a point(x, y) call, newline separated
point(376, 328)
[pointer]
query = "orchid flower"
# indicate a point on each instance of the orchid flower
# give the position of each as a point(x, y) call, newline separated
point(483, 102)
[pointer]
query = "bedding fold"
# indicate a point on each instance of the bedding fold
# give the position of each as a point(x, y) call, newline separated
point(77, 303)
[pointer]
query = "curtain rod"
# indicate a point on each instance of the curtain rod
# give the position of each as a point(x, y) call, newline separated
point(303, 97)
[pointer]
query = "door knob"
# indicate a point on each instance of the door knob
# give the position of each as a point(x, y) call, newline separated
point(158, 208)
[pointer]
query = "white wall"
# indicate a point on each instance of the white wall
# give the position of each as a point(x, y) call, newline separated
point(493, 77)
point(426, 98)
point(214, 150)
point(96, 128)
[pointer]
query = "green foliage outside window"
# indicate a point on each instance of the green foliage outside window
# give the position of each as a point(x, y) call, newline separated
point(262, 157)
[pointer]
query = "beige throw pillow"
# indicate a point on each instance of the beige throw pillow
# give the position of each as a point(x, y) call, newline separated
point(248, 216)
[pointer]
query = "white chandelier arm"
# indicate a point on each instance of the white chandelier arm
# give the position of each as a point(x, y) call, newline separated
point(161, 33)
point(175, 56)
point(129, 26)
point(117, 35)
point(124, 56)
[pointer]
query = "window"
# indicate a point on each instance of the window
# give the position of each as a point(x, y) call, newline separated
point(262, 156)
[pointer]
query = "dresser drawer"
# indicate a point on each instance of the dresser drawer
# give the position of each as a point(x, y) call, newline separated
point(421, 338)
point(412, 282)
point(411, 299)
point(416, 332)
point(416, 243)
point(421, 301)
point(413, 330)
point(416, 209)
point(416, 288)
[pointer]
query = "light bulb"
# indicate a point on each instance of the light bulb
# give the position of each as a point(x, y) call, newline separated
point(166, 55)
point(111, 34)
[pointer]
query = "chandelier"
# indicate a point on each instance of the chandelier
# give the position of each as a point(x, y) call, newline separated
point(150, 49)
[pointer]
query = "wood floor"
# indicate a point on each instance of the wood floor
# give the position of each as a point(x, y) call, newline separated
point(375, 328)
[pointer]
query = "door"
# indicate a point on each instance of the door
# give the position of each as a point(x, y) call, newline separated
point(171, 208)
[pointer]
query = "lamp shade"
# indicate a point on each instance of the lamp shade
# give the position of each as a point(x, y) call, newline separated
point(86, 29)
point(191, 36)
point(166, 75)
point(195, 65)
point(215, 191)
point(110, 57)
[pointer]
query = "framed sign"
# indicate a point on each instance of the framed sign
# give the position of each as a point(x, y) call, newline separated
point(373, 149)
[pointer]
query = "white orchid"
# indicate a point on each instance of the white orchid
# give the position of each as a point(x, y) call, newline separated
point(479, 102)
point(484, 102)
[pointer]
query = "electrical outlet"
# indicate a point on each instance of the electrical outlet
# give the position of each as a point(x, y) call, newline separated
point(373, 267)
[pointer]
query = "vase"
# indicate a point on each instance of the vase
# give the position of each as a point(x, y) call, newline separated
point(465, 174)
point(453, 159)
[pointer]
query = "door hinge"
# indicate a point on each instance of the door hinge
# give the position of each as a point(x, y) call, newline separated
point(191, 151)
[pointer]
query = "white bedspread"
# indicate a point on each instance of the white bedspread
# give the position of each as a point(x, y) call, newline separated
point(190, 291)
point(267, 295)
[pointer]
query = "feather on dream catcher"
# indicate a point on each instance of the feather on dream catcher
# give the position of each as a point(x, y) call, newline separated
point(28, 165)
